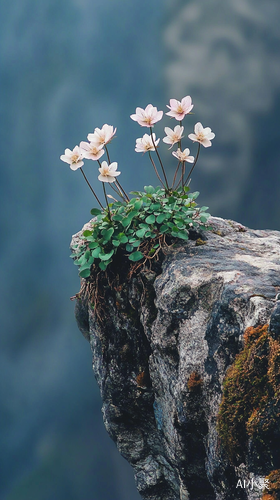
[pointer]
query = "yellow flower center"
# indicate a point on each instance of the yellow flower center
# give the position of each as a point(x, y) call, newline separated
point(106, 171)
point(200, 137)
point(75, 158)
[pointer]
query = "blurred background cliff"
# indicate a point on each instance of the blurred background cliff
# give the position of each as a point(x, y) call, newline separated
point(68, 66)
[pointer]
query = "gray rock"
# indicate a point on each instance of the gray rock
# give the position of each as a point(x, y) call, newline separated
point(162, 343)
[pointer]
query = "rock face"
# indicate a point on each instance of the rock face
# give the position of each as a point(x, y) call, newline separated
point(162, 342)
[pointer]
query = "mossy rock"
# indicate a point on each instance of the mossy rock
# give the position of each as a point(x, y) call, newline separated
point(249, 416)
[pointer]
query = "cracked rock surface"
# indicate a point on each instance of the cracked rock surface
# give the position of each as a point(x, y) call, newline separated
point(161, 344)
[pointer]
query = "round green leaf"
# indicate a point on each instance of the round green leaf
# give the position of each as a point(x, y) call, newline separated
point(136, 256)
point(87, 233)
point(95, 211)
point(141, 232)
point(117, 217)
point(107, 234)
point(106, 256)
point(164, 228)
point(150, 219)
point(93, 245)
point(85, 273)
point(149, 189)
point(123, 238)
point(96, 252)
point(138, 204)
point(182, 235)
point(160, 218)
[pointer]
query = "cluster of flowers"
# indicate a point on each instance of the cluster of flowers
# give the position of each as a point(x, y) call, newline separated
point(97, 145)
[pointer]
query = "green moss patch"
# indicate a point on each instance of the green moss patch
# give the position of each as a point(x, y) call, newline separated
point(250, 407)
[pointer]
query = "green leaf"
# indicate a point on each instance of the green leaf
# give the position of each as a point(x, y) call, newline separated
point(136, 243)
point(164, 228)
point(126, 221)
point(144, 226)
point(150, 219)
point(182, 235)
point(149, 189)
point(194, 195)
point(107, 233)
point(160, 218)
point(96, 252)
point(136, 256)
point(203, 218)
point(138, 204)
point(103, 265)
point(123, 238)
point(117, 217)
point(85, 273)
point(95, 211)
point(129, 248)
point(141, 232)
point(116, 243)
point(106, 256)
point(87, 233)
point(132, 214)
point(155, 206)
point(93, 245)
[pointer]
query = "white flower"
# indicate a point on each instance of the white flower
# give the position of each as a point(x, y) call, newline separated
point(179, 109)
point(183, 155)
point(145, 143)
point(74, 158)
point(108, 172)
point(202, 135)
point(102, 136)
point(173, 136)
point(148, 116)
point(90, 151)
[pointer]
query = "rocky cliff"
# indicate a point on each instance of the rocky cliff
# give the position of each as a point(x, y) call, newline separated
point(163, 340)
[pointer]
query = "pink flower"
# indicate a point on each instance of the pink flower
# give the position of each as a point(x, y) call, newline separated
point(73, 158)
point(90, 151)
point(179, 110)
point(108, 173)
point(173, 136)
point(102, 136)
point(148, 116)
point(145, 143)
point(183, 155)
point(202, 135)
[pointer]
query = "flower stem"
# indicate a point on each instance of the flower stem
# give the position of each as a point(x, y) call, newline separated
point(182, 176)
point(109, 213)
point(167, 187)
point(107, 152)
point(97, 199)
point(118, 191)
point(153, 163)
point(194, 163)
point(175, 175)
point(120, 186)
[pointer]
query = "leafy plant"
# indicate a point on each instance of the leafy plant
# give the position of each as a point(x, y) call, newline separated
point(148, 216)
point(139, 226)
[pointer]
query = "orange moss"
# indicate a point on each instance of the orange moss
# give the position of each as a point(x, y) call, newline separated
point(250, 404)
point(273, 492)
point(195, 382)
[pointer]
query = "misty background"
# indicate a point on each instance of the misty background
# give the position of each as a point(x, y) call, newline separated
point(66, 67)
